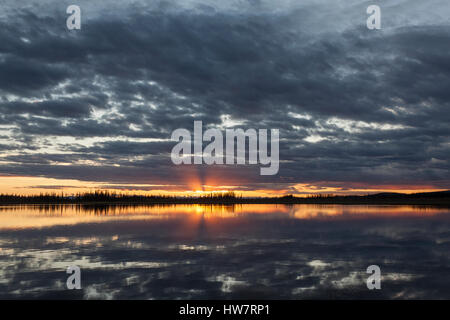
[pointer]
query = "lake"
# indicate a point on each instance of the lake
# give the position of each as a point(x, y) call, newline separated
point(224, 252)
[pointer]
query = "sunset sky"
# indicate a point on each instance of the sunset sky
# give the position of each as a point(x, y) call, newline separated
point(359, 111)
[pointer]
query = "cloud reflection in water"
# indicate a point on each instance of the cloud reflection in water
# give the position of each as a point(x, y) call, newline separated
point(215, 252)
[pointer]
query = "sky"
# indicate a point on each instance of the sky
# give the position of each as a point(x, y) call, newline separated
point(359, 110)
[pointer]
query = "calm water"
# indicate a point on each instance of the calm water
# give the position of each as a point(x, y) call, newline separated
point(220, 252)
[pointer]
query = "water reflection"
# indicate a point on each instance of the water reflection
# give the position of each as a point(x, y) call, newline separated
point(215, 252)
point(35, 216)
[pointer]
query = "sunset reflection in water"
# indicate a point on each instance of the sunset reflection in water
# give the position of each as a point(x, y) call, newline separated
point(215, 252)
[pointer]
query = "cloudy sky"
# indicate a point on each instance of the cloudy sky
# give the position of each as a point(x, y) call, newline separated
point(358, 110)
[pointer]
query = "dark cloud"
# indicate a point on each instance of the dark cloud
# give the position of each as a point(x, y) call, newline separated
point(351, 104)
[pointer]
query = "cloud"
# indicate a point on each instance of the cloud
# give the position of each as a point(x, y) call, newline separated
point(352, 105)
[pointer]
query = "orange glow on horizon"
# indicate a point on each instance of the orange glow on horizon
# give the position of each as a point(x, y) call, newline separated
point(35, 185)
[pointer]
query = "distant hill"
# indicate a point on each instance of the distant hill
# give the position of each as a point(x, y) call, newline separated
point(438, 194)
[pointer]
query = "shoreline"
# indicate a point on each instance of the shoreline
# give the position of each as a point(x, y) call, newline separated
point(229, 203)
point(441, 198)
